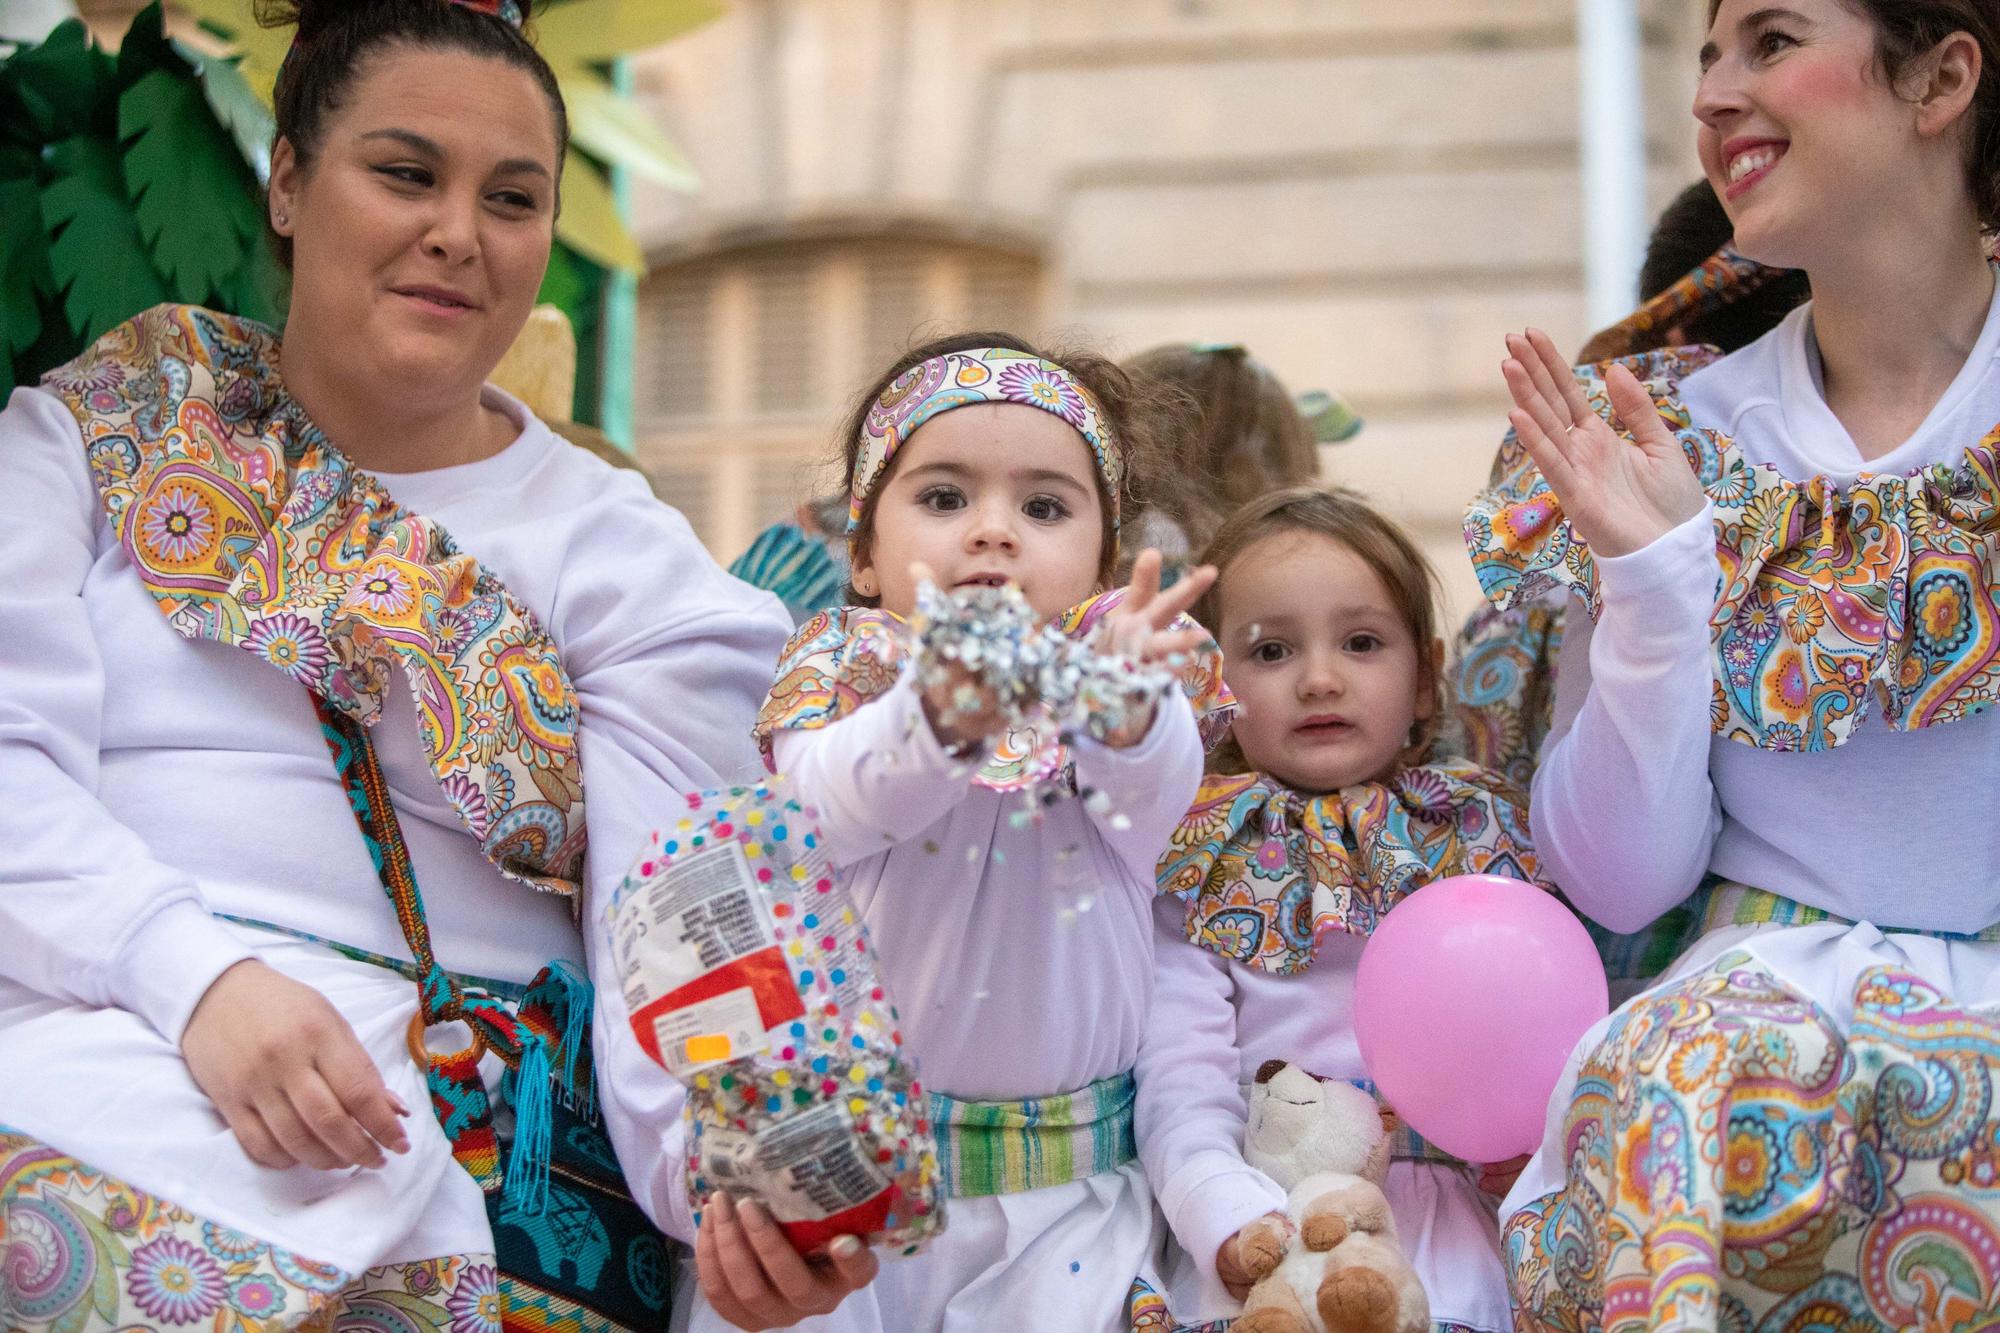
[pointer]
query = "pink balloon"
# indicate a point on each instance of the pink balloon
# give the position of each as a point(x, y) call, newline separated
point(1470, 995)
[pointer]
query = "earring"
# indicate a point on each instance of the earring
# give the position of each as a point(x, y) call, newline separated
point(865, 585)
point(284, 220)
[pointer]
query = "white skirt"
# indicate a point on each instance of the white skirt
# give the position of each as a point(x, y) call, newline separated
point(103, 1086)
point(1062, 1257)
point(1821, 962)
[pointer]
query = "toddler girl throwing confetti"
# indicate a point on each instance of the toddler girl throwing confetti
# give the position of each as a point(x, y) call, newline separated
point(997, 749)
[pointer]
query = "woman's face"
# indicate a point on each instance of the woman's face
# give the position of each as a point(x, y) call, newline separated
point(1802, 136)
point(421, 230)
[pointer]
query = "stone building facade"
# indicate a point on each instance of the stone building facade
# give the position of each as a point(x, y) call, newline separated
point(1367, 193)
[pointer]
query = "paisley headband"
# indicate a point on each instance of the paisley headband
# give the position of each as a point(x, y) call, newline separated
point(960, 379)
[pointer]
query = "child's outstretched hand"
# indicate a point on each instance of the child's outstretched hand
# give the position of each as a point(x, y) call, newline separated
point(1142, 629)
point(1619, 497)
point(756, 1280)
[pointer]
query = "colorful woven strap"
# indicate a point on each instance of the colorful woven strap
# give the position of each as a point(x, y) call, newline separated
point(987, 1148)
point(1732, 904)
point(550, 1019)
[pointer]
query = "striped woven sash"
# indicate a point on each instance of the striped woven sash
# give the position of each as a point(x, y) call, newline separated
point(987, 1148)
point(1731, 904)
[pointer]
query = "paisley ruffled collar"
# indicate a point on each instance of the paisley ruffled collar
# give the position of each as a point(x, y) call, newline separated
point(841, 659)
point(250, 528)
point(1835, 601)
point(1267, 872)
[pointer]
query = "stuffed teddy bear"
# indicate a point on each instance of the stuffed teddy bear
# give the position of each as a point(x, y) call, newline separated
point(1332, 1264)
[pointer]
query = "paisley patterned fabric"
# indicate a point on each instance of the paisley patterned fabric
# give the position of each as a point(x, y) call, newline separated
point(1268, 872)
point(1733, 1163)
point(82, 1252)
point(250, 528)
point(840, 659)
point(961, 379)
point(1832, 604)
point(1724, 277)
point(1503, 686)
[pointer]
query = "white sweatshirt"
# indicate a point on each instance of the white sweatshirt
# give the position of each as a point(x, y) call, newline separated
point(148, 782)
point(1874, 830)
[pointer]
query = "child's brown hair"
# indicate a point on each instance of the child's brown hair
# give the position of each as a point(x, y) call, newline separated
point(1138, 427)
point(1247, 436)
point(1341, 516)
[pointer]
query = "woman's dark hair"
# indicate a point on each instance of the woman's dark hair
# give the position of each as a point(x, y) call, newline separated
point(1908, 30)
point(1134, 419)
point(335, 38)
point(1693, 227)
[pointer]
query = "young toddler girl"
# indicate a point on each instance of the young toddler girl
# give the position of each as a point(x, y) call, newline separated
point(1325, 809)
point(997, 828)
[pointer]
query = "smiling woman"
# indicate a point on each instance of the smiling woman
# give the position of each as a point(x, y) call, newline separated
point(413, 196)
point(1791, 658)
point(204, 516)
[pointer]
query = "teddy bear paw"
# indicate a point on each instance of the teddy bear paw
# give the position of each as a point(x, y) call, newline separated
point(1357, 1300)
point(1323, 1230)
point(1260, 1247)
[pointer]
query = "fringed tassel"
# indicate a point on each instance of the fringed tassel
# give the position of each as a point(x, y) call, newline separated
point(581, 998)
point(527, 1189)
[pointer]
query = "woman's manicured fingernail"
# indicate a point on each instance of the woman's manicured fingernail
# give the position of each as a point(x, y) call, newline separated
point(725, 1209)
point(844, 1247)
point(397, 1102)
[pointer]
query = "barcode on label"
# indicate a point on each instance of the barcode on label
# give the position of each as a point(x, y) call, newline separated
point(811, 1165)
point(698, 914)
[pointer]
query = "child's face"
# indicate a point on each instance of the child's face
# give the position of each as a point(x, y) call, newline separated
point(1327, 677)
point(991, 493)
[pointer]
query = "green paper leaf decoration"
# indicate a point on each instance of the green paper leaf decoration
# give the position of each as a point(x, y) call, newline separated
point(63, 84)
point(192, 195)
point(582, 32)
point(145, 48)
point(259, 289)
point(590, 224)
point(236, 106)
point(610, 126)
point(96, 254)
point(24, 266)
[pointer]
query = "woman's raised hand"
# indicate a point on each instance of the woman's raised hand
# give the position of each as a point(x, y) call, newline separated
point(1617, 497)
point(289, 1075)
point(756, 1280)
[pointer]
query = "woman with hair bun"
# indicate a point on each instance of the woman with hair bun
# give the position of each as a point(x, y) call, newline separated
point(331, 669)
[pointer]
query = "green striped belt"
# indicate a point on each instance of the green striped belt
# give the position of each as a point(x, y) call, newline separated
point(1732, 904)
point(987, 1148)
